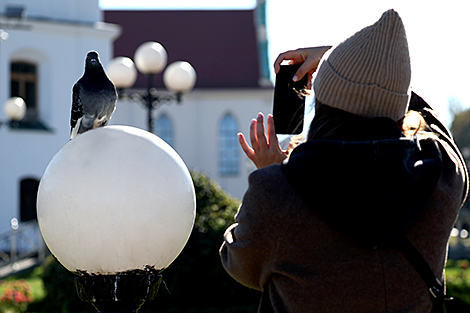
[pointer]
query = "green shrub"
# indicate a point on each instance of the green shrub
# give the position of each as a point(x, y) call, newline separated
point(61, 295)
point(458, 285)
point(197, 279)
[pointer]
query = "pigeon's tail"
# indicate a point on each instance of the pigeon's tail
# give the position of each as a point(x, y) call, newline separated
point(98, 122)
point(84, 123)
point(74, 131)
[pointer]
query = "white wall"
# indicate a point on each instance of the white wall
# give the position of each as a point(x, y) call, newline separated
point(196, 127)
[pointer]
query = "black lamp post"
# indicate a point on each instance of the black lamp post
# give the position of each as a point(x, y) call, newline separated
point(117, 293)
point(150, 59)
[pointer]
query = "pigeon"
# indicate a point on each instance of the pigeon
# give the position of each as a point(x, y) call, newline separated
point(94, 98)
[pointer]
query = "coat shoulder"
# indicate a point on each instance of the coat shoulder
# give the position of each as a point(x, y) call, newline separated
point(272, 185)
point(271, 177)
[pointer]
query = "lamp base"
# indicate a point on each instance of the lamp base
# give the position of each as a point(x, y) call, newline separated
point(117, 293)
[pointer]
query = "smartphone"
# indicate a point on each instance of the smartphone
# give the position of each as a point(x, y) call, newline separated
point(289, 101)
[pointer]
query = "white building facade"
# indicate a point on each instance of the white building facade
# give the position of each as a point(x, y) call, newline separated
point(40, 61)
point(203, 130)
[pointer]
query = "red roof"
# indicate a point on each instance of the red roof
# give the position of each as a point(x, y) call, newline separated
point(221, 45)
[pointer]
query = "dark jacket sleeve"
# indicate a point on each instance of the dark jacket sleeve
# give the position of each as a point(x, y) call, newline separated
point(446, 140)
point(250, 243)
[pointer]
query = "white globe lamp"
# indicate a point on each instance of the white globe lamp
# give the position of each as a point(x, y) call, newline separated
point(115, 201)
point(122, 72)
point(150, 58)
point(179, 77)
point(15, 108)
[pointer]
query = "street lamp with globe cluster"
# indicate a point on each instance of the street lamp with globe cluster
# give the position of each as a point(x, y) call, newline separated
point(150, 59)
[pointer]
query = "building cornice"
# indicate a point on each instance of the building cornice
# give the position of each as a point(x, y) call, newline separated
point(97, 29)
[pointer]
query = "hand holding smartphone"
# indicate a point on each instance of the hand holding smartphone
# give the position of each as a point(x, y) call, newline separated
point(289, 101)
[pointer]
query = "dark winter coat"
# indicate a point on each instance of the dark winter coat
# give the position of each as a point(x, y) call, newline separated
point(313, 233)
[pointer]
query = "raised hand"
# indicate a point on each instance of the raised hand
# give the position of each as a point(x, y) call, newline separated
point(265, 149)
point(308, 57)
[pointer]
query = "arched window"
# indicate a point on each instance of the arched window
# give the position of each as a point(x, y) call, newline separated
point(228, 146)
point(23, 83)
point(28, 196)
point(164, 129)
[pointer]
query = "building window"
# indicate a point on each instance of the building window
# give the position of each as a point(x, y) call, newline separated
point(24, 85)
point(28, 196)
point(164, 129)
point(228, 146)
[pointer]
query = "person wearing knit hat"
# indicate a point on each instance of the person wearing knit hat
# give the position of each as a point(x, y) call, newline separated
point(330, 228)
point(369, 73)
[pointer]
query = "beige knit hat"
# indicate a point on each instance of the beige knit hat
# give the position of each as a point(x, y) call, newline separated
point(369, 73)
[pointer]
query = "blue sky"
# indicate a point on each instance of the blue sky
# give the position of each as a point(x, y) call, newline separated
point(438, 34)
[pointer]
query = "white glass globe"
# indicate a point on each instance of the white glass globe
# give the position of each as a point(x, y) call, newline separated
point(179, 76)
point(15, 108)
point(122, 72)
point(115, 199)
point(150, 58)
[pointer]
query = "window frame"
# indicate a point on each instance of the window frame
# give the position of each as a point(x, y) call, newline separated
point(170, 130)
point(31, 98)
point(23, 78)
point(229, 152)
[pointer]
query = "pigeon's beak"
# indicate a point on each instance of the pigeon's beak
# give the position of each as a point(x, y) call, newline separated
point(93, 61)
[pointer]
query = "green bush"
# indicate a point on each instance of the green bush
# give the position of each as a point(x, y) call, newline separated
point(197, 279)
point(458, 285)
point(61, 295)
